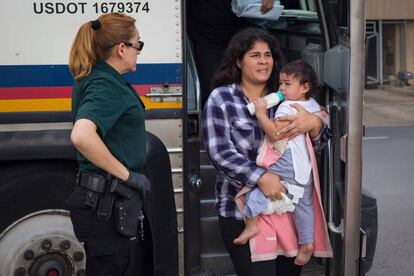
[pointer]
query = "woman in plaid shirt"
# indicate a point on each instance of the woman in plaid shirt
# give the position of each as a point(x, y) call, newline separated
point(249, 70)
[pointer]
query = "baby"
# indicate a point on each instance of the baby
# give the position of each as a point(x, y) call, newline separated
point(289, 160)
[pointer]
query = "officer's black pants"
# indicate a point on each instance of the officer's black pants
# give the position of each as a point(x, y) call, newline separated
point(240, 254)
point(107, 252)
point(125, 263)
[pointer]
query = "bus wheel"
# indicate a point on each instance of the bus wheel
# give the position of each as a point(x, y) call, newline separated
point(41, 243)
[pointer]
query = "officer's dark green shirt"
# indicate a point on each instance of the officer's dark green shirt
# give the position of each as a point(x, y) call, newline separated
point(108, 100)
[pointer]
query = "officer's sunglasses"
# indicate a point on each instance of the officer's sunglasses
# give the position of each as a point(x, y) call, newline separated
point(139, 45)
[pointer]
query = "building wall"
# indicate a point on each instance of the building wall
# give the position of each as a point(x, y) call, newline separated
point(399, 11)
point(389, 9)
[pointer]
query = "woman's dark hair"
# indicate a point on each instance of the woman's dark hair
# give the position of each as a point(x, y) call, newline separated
point(228, 72)
point(303, 72)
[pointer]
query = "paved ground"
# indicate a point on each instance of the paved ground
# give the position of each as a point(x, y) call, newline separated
point(389, 106)
point(388, 174)
point(388, 158)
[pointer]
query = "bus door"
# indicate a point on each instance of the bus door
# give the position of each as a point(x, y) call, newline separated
point(351, 212)
point(322, 32)
point(302, 31)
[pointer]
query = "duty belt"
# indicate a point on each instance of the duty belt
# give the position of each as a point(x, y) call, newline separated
point(93, 182)
point(101, 191)
point(100, 194)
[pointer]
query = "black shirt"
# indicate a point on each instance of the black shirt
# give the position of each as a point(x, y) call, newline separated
point(213, 21)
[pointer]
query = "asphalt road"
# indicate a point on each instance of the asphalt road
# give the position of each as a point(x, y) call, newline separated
point(388, 173)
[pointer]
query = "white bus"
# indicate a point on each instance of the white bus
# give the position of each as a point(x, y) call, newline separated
point(37, 160)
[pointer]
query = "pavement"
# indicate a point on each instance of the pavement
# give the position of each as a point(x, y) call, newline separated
point(388, 106)
point(388, 114)
point(388, 157)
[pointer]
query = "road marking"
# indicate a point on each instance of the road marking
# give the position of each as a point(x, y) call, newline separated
point(376, 138)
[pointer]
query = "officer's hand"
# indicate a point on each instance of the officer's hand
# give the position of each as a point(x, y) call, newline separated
point(139, 182)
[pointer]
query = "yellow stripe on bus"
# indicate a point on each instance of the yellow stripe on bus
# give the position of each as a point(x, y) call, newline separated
point(154, 105)
point(35, 105)
point(27, 105)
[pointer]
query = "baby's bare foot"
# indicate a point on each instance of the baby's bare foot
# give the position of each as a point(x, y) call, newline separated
point(249, 232)
point(304, 255)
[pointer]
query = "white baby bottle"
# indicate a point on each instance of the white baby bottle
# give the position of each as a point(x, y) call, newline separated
point(272, 99)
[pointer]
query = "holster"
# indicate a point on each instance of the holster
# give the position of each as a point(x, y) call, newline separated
point(106, 201)
point(98, 194)
point(101, 194)
point(95, 185)
point(127, 210)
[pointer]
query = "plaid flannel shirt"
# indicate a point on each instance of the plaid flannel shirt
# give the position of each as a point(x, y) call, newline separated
point(232, 137)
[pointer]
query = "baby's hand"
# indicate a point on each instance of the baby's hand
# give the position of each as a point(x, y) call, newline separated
point(261, 106)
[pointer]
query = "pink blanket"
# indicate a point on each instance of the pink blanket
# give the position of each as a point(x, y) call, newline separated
point(277, 234)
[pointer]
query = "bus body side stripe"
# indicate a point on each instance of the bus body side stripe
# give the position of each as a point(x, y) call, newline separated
point(59, 75)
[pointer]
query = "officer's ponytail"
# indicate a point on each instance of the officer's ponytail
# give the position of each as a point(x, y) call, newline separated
point(96, 39)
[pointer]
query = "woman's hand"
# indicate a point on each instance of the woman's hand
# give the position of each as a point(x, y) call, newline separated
point(261, 107)
point(267, 5)
point(270, 186)
point(300, 123)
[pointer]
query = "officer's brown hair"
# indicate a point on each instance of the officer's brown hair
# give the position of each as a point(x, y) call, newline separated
point(96, 39)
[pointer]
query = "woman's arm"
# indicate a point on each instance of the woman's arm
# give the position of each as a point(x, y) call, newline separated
point(269, 183)
point(265, 122)
point(300, 123)
point(317, 124)
point(227, 159)
point(85, 138)
point(270, 127)
point(223, 153)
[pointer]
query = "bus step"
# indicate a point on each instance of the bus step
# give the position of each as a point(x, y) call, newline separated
point(220, 265)
point(208, 176)
point(315, 267)
point(212, 241)
point(204, 160)
point(208, 208)
point(213, 264)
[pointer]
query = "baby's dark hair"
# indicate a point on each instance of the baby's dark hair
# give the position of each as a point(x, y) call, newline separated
point(303, 72)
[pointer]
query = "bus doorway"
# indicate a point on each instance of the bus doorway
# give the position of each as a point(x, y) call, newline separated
point(317, 31)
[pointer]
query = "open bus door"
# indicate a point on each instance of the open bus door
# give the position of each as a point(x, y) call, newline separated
point(352, 211)
point(329, 34)
point(348, 206)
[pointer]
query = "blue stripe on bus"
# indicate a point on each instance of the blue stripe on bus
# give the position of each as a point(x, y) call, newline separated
point(59, 75)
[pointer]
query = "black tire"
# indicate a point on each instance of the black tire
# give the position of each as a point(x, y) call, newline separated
point(30, 186)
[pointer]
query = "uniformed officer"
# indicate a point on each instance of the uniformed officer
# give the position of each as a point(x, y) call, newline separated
point(109, 134)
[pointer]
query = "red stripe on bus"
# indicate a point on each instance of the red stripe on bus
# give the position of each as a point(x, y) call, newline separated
point(56, 92)
point(19, 93)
